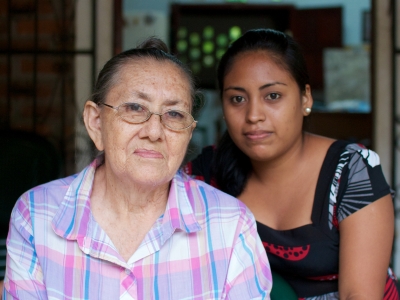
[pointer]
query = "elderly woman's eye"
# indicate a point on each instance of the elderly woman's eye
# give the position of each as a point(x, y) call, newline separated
point(174, 114)
point(273, 96)
point(134, 107)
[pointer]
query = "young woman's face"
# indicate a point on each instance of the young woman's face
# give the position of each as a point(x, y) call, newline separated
point(263, 106)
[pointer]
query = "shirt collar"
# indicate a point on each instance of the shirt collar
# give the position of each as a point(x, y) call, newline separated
point(179, 213)
point(73, 217)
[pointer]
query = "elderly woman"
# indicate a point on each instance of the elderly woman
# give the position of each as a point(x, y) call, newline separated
point(130, 225)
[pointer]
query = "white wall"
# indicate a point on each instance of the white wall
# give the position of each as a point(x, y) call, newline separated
point(140, 24)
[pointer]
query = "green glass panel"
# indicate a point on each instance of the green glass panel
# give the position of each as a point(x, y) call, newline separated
point(194, 39)
point(208, 32)
point(235, 32)
point(182, 33)
point(222, 40)
point(196, 67)
point(219, 53)
point(194, 53)
point(208, 47)
point(182, 46)
point(208, 61)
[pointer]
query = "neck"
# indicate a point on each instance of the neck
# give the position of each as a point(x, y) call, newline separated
point(126, 198)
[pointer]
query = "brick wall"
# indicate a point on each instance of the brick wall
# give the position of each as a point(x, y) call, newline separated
point(36, 71)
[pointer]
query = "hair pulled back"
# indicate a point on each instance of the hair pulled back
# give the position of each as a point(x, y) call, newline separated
point(231, 166)
point(151, 48)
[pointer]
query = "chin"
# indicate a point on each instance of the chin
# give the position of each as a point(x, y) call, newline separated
point(259, 153)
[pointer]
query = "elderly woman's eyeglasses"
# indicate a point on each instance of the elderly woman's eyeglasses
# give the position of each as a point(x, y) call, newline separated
point(135, 113)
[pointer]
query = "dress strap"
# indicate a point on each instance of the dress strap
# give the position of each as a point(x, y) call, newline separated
point(325, 178)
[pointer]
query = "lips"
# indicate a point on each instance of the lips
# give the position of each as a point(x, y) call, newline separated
point(255, 135)
point(148, 153)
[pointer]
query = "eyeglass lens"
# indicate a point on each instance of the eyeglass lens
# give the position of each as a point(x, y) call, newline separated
point(137, 113)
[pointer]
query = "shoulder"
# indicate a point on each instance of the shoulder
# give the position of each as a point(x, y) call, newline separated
point(52, 188)
point(345, 151)
point(364, 170)
point(359, 165)
point(357, 152)
point(355, 158)
point(45, 198)
point(360, 180)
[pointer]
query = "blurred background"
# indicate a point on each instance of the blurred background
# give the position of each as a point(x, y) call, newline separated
point(52, 50)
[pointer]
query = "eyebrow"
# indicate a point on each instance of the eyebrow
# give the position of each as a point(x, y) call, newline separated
point(141, 95)
point(237, 88)
point(271, 84)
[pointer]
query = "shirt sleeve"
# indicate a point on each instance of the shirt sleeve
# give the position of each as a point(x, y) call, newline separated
point(24, 276)
point(249, 274)
point(362, 181)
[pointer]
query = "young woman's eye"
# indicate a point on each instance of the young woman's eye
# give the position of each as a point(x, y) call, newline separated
point(237, 99)
point(273, 96)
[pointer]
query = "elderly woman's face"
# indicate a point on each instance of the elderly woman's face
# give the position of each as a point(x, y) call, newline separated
point(149, 152)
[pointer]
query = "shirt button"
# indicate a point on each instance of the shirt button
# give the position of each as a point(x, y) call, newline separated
point(127, 271)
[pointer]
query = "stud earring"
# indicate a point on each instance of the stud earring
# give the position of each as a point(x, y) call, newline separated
point(307, 110)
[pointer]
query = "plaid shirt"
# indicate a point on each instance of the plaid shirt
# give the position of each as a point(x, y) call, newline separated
point(205, 246)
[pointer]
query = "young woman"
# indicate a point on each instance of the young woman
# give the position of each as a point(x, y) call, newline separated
point(324, 210)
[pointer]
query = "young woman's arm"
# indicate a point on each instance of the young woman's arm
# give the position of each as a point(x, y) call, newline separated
point(366, 239)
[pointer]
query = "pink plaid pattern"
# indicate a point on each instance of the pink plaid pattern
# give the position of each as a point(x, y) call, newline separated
point(205, 246)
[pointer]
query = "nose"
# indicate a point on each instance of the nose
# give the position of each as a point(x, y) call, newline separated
point(255, 111)
point(152, 128)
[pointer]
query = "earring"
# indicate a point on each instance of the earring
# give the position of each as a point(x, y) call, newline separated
point(307, 110)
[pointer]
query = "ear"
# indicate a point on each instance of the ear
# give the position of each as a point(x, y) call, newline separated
point(307, 100)
point(91, 117)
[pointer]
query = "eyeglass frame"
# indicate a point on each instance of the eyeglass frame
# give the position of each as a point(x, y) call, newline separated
point(150, 113)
